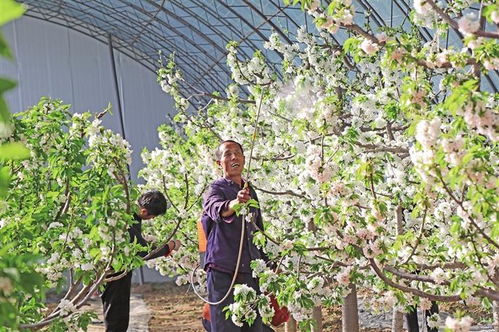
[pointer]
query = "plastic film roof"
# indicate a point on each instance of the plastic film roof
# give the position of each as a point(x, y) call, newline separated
point(198, 30)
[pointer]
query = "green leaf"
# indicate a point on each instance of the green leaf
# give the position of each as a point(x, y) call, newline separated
point(253, 203)
point(13, 151)
point(4, 111)
point(351, 44)
point(4, 180)
point(4, 48)
point(10, 10)
point(237, 208)
point(6, 84)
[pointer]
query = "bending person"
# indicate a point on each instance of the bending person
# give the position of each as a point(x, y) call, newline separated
point(116, 295)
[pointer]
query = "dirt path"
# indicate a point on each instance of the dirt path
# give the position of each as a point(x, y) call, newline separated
point(177, 309)
point(140, 314)
point(166, 307)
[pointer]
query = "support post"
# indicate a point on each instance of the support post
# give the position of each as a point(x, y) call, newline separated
point(116, 86)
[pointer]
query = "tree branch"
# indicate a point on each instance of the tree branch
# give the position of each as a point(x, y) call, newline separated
point(449, 192)
point(280, 193)
point(455, 25)
point(441, 298)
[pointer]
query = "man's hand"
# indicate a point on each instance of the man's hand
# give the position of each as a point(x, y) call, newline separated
point(242, 197)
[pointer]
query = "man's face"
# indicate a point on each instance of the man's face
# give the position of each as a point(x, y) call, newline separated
point(231, 159)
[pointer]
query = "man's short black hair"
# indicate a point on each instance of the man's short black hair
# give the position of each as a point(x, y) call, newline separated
point(218, 153)
point(153, 201)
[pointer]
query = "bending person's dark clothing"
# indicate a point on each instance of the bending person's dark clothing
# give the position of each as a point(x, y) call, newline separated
point(135, 232)
point(116, 304)
point(116, 295)
point(223, 234)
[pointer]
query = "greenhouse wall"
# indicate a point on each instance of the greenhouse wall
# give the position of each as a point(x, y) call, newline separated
point(54, 61)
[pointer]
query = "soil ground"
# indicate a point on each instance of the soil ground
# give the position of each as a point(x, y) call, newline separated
point(178, 309)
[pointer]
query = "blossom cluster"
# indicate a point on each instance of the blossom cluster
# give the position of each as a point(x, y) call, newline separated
point(362, 155)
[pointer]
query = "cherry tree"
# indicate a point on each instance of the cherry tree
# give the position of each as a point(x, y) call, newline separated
point(68, 206)
point(375, 160)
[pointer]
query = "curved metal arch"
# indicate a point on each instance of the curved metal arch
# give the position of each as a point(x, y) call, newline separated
point(219, 32)
point(84, 30)
point(138, 30)
point(243, 19)
point(208, 9)
point(275, 27)
point(67, 18)
point(176, 17)
point(169, 27)
point(123, 43)
point(59, 15)
point(150, 44)
point(246, 38)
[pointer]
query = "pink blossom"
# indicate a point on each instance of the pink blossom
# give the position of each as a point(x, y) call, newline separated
point(468, 24)
point(418, 98)
point(377, 214)
point(475, 43)
point(438, 276)
point(343, 277)
point(382, 37)
point(328, 23)
point(347, 19)
point(459, 324)
point(372, 250)
point(369, 47)
point(366, 234)
point(350, 239)
point(495, 16)
point(441, 58)
point(337, 189)
point(422, 7)
point(314, 5)
point(425, 304)
point(362, 233)
point(491, 64)
point(453, 158)
point(397, 54)
point(484, 124)
point(427, 132)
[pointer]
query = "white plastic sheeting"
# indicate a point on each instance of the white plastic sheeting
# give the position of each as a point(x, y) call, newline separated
point(54, 61)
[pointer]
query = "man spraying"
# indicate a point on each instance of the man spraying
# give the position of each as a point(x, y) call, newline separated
point(223, 229)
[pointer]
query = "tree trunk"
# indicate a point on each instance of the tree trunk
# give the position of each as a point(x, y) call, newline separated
point(350, 317)
point(398, 317)
point(290, 325)
point(317, 317)
point(397, 321)
point(496, 316)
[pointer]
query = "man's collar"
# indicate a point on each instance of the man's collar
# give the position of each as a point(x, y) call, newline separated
point(229, 181)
